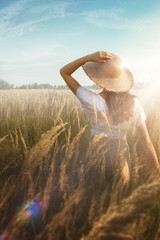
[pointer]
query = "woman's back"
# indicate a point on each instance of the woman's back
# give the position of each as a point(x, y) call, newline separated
point(100, 119)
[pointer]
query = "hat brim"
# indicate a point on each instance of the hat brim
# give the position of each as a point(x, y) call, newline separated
point(121, 84)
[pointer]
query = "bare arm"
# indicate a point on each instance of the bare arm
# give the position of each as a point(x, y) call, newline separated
point(68, 69)
point(148, 146)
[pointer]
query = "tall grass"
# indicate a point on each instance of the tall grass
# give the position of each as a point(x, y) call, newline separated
point(47, 154)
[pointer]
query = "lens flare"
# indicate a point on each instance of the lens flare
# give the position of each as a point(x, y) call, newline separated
point(29, 212)
point(4, 235)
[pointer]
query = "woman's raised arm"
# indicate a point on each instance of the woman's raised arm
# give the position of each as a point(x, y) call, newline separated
point(68, 69)
point(71, 67)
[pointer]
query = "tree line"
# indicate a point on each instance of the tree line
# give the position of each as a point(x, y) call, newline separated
point(5, 85)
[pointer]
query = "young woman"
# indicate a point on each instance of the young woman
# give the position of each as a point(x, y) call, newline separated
point(114, 109)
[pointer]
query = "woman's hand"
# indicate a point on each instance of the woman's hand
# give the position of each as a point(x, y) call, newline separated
point(100, 57)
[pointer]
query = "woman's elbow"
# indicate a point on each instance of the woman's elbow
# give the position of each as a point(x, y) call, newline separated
point(61, 71)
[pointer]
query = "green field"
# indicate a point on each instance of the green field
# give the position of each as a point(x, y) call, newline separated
point(46, 155)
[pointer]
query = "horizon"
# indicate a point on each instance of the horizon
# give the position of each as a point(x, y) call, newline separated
point(44, 85)
point(38, 38)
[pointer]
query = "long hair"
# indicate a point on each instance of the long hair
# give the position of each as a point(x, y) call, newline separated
point(120, 105)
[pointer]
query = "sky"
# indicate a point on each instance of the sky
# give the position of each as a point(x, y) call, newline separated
point(39, 37)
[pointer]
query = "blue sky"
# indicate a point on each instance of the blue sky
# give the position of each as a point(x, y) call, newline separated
point(38, 37)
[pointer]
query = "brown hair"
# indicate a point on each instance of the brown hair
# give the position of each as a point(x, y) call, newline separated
point(120, 105)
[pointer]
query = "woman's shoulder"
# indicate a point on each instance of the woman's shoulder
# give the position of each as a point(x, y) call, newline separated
point(86, 95)
point(83, 92)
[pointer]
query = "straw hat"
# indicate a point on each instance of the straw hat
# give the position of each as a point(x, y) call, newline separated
point(111, 75)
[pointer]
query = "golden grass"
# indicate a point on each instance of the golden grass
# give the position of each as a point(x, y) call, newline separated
point(47, 155)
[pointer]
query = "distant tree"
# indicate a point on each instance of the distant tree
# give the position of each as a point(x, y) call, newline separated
point(5, 85)
point(48, 86)
point(45, 85)
point(36, 86)
point(60, 87)
point(94, 86)
point(22, 87)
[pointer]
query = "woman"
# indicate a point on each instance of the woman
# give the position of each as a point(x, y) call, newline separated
point(112, 111)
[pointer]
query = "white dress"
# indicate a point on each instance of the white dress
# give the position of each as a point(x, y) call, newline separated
point(114, 135)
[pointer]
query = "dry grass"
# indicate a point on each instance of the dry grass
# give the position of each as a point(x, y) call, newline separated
point(46, 154)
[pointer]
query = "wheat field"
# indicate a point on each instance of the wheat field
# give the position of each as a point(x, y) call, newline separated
point(47, 156)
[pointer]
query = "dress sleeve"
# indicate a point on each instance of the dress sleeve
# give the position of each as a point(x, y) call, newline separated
point(85, 96)
point(139, 113)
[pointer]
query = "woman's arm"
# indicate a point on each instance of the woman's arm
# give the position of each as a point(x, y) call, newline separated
point(70, 68)
point(148, 147)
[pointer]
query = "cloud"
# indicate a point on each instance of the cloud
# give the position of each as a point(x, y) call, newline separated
point(9, 13)
point(114, 19)
point(25, 15)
